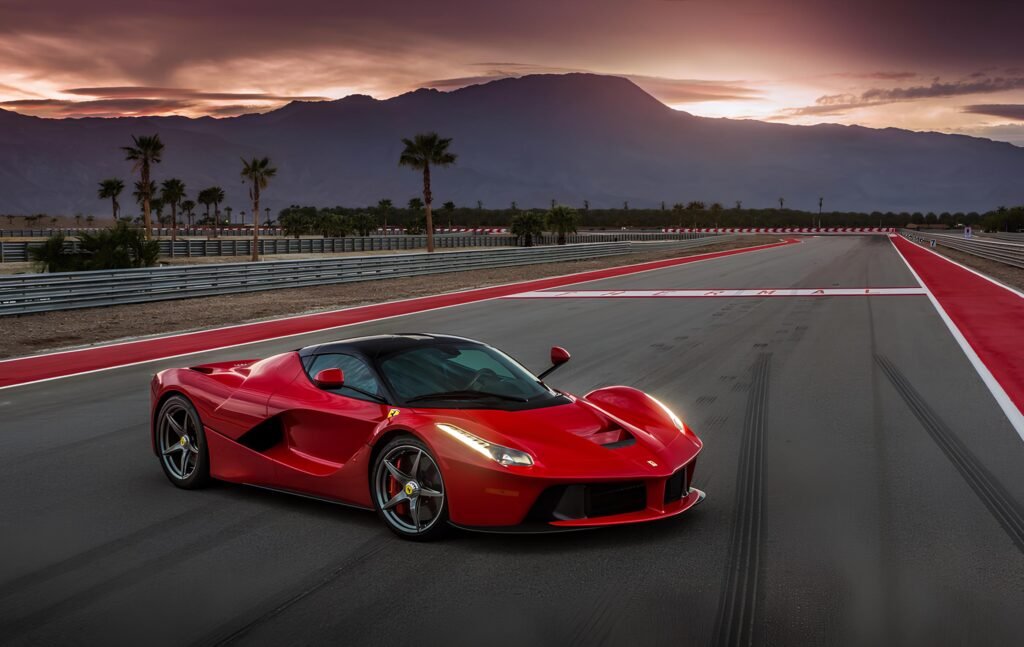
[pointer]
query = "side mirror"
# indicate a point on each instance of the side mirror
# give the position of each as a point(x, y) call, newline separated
point(559, 356)
point(330, 378)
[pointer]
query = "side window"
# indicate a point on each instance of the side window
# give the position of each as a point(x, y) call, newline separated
point(357, 374)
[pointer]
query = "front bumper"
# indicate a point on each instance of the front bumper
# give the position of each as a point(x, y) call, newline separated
point(692, 499)
point(503, 501)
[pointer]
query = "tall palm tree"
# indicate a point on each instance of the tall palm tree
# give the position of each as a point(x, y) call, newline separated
point(257, 172)
point(384, 208)
point(172, 192)
point(111, 188)
point(145, 151)
point(562, 220)
point(205, 198)
point(140, 193)
point(188, 206)
point(421, 152)
point(218, 197)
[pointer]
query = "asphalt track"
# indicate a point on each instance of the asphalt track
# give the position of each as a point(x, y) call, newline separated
point(863, 488)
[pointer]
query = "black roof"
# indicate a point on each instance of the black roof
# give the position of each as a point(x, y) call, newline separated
point(378, 345)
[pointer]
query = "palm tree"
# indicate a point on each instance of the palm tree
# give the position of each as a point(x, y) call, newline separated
point(526, 225)
point(111, 188)
point(449, 209)
point(562, 220)
point(257, 172)
point(415, 204)
point(89, 220)
point(145, 152)
point(215, 196)
point(205, 198)
point(188, 206)
point(140, 193)
point(678, 209)
point(421, 152)
point(782, 203)
point(384, 208)
point(172, 192)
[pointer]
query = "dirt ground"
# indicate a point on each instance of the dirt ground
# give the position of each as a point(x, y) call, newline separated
point(26, 334)
point(1008, 274)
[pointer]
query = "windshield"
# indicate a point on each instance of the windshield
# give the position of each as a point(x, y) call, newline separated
point(462, 374)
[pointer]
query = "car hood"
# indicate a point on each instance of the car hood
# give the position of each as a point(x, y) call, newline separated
point(577, 433)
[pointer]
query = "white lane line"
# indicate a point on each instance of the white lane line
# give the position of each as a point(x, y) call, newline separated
point(713, 293)
point(1014, 415)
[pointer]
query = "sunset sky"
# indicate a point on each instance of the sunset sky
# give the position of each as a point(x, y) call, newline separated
point(936, 65)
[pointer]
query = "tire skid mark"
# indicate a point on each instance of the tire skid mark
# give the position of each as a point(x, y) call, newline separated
point(182, 520)
point(120, 581)
point(740, 592)
point(375, 544)
point(1006, 510)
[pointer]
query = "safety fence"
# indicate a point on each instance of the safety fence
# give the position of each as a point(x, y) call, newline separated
point(18, 251)
point(997, 250)
point(26, 293)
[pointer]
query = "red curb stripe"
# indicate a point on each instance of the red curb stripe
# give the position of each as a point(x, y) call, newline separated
point(988, 315)
point(24, 370)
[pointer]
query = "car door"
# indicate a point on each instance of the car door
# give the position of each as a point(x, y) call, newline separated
point(324, 428)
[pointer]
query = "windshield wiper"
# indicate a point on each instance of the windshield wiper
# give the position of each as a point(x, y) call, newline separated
point(465, 395)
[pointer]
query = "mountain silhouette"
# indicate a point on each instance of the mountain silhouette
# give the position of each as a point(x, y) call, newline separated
point(570, 138)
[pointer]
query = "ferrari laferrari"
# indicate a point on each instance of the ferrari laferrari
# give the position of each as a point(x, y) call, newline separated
point(430, 431)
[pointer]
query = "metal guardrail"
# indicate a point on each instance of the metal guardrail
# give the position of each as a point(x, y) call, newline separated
point(27, 293)
point(18, 251)
point(993, 250)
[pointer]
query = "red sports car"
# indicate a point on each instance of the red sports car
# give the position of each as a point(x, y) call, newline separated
point(428, 430)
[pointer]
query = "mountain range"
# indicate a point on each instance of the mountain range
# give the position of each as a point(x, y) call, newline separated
point(570, 138)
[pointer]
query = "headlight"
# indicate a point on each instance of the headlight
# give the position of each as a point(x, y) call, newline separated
point(502, 455)
point(671, 415)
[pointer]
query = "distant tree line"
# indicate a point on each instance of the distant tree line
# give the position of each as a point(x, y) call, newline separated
point(341, 221)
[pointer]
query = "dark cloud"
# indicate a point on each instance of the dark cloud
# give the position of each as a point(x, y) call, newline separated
point(938, 89)
point(837, 104)
point(1014, 111)
point(879, 76)
point(97, 108)
point(145, 92)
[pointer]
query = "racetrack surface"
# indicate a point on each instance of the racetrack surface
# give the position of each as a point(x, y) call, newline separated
point(863, 487)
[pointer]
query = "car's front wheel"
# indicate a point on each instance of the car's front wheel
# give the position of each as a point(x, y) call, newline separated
point(181, 443)
point(408, 490)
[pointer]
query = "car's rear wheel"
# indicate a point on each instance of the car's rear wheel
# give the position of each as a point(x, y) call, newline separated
point(181, 444)
point(408, 490)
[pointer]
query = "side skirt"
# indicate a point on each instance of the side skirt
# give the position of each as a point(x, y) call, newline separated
point(314, 497)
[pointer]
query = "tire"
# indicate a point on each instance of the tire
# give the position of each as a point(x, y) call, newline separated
point(185, 462)
point(408, 490)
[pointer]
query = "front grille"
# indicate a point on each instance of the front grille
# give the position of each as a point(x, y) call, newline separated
point(582, 501)
point(615, 498)
point(676, 486)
